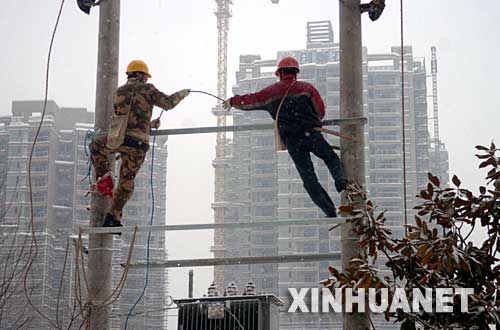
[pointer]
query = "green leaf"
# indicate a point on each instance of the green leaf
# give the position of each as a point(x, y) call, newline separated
point(433, 179)
point(479, 147)
point(487, 162)
point(425, 195)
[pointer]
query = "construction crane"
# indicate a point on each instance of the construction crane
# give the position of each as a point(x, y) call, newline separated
point(223, 13)
point(435, 103)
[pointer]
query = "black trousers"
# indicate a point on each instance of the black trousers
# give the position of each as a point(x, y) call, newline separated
point(300, 149)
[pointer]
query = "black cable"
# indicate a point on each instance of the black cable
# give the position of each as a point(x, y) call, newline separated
point(210, 94)
point(148, 252)
point(34, 243)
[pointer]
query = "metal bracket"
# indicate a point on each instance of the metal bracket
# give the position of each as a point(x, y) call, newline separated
point(239, 261)
point(256, 127)
point(207, 226)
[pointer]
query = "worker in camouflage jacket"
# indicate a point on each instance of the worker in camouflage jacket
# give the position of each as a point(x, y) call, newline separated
point(129, 136)
point(297, 108)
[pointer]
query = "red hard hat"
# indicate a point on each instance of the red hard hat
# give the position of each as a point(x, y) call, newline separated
point(287, 62)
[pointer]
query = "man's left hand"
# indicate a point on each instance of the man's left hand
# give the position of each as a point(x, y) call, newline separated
point(226, 105)
point(155, 123)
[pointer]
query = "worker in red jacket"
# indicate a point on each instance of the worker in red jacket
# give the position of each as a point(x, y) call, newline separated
point(297, 109)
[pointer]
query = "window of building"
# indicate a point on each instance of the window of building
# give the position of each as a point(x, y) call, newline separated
point(39, 181)
point(41, 151)
point(265, 211)
point(39, 211)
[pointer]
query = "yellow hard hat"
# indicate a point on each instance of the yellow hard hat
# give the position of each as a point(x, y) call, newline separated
point(138, 65)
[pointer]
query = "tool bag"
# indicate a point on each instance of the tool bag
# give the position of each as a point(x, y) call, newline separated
point(280, 146)
point(116, 134)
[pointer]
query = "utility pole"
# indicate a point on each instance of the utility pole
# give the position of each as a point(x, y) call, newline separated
point(100, 269)
point(352, 153)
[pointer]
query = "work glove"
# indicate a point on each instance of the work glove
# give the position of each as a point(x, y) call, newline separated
point(226, 105)
point(155, 123)
point(183, 93)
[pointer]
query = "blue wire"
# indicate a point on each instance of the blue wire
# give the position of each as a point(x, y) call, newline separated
point(149, 235)
point(88, 135)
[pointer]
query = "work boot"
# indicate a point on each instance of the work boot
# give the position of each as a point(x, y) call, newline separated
point(110, 221)
point(104, 185)
point(341, 185)
point(332, 214)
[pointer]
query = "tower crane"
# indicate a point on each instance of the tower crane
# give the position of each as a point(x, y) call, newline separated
point(223, 13)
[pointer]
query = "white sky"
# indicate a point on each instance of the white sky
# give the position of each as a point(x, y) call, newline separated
point(178, 40)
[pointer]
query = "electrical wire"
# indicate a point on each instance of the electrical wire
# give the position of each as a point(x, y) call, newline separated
point(34, 244)
point(149, 234)
point(210, 94)
point(234, 317)
point(405, 203)
point(88, 175)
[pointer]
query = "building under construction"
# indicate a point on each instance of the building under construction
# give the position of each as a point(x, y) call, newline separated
point(60, 208)
point(262, 185)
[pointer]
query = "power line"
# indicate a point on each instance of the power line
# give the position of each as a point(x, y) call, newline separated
point(34, 244)
point(149, 234)
point(403, 118)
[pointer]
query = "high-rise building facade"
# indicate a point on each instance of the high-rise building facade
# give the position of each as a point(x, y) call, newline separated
point(58, 169)
point(266, 186)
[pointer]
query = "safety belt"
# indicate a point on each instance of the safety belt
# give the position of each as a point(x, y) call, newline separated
point(280, 146)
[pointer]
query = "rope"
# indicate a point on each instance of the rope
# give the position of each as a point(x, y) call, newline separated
point(121, 284)
point(61, 282)
point(150, 223)
point(403, 119)
point(34, 244)
point(115, 294)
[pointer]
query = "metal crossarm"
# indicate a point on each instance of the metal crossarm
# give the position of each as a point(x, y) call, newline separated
point(239, 261)
point(241, 128)
point(207, 226)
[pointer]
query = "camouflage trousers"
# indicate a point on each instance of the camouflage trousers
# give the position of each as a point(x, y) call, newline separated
point(131, 162)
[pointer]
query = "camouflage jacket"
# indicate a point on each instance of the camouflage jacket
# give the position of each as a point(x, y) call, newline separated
point(145, 96)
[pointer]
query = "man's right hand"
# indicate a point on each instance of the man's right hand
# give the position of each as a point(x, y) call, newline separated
point(184, 92)
point(226, 105)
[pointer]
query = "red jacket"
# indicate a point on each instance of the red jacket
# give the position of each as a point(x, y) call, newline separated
point(301, 111)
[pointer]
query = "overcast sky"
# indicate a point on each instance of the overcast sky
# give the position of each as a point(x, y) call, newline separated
point(178, 40)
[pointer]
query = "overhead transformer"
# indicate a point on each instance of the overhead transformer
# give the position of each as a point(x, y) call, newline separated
point(259, 312)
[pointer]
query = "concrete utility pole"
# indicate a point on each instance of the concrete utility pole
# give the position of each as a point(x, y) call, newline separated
point(100, 245)
point(351, 105)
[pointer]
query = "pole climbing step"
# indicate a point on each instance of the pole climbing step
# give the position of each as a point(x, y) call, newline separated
point(208, 226)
